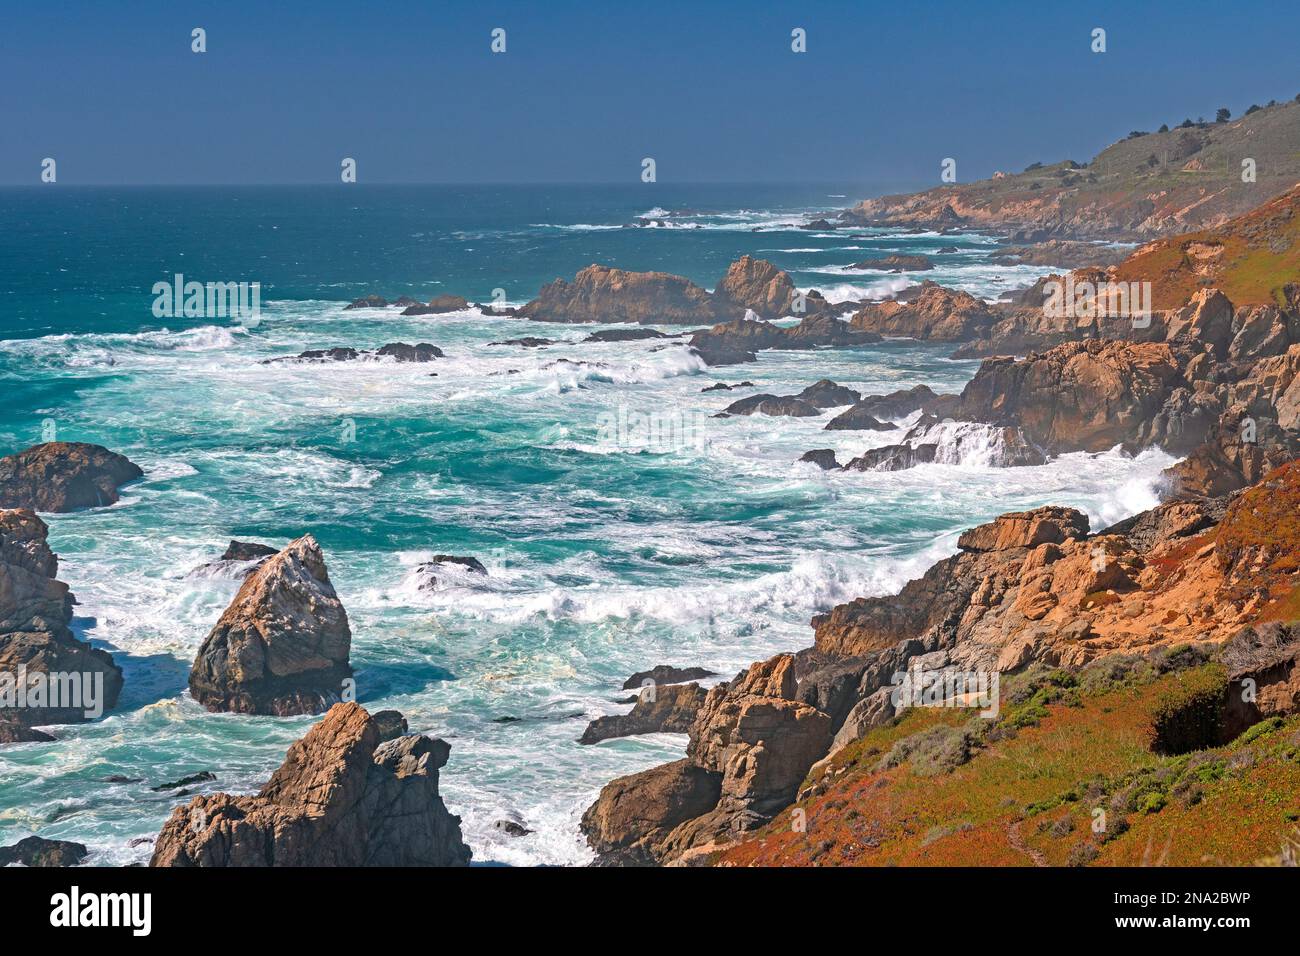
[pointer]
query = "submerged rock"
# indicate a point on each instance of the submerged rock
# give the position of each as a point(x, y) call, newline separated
point(666, 674)
point(823, 458)
point(37, 851)
point(438, 305)
point(203, 776)
point(624, 335)
point(282, 645)
point(427, 570)
point(397, 351)
point(367, 302)
point(247, 551)
point(62, 476)
point(826, 394)
point(772, 405)
point(341, 798)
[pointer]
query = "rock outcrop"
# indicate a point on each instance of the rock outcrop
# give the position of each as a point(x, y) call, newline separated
point(730, 343)
point(282, 646)
point(341, 798)
point(37, 851)
point(602, 294)
point(670, 708)
point(897, 263)
point(666, 674)
point(393, 351)
point(47, 676)
point(1089, 396)
point(751, 744)
point(936, 314)
point(758, 286)
point(61, 476)
point(438, 305)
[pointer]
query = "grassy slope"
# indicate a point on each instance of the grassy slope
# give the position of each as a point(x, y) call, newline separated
point(1251, 258)
point(1029, 797)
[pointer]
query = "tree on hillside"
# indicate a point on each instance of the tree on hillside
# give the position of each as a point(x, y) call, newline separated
point(1164, 127)
point(1186, 124)
point(1254, 108)
point(1223, 115)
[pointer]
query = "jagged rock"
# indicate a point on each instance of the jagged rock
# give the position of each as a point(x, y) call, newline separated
point(772, 405)
point(247, 551)
point(511, 828)
point(893, 458)
point(758, 286)
point(936, 314)
point(341, 798)
point(390, 723)
point(401, 352)
point(367, 302)
point(14, 731)
point(1259, 332)
point(37, 851)
point(1207, 319)
point(897, 263)
point(282, 645)
point(823, 458)
point(896, 405)
point(602, 294)
point(728, 342)
point(62, 476)
point(666, 674)
point(857, 418)
point(439, 305)
point(826, 394)
point(761, 739)
point(1026, 529)
point(1080, 396)
point(624, 335)
point(35, 641)
point(204, 776)
point(719, 353)
point(670, 708)
point(398, 351)
point(527, 342)
point(429, 579)
point(724, 387)
point(635, 812)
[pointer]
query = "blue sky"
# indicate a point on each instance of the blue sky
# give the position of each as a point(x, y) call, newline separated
point(711, 90)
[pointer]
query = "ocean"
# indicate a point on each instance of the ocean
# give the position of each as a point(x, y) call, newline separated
point(606, 554)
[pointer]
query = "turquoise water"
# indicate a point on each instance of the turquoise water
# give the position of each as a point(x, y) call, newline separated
point(604, 557)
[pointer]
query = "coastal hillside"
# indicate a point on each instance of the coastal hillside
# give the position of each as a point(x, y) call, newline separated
point(1183, 177)
point(1253, 259)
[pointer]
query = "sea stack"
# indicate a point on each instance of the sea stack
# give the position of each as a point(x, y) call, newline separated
point(35, 642)
point(344, 796)
point(282, 646)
